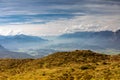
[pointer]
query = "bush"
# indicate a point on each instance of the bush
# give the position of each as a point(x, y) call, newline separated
point(85, 67)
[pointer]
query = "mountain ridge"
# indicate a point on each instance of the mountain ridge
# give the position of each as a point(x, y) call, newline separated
point(92, 34)
point(5, 53)
point(21, 38)
point(102, 40)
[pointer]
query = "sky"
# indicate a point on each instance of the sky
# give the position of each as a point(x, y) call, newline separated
point(56, 17)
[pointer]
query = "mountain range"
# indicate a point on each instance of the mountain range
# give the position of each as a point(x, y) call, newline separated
point(101, 40)
point(100, 34)
point(21, 41)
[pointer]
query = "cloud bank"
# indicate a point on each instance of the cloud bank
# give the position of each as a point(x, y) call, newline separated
point(55, 17)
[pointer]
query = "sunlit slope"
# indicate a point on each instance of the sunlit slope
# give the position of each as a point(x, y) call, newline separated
point(74, 65)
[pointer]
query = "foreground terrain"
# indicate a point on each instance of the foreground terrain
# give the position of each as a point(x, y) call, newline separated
point(74, 65)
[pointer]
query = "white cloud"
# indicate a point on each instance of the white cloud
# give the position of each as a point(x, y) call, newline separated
point(78, 23)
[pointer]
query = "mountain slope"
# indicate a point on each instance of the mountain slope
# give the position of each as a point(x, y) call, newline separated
point(2, 48)
point(87, 34)
point(74, 65)
point(20, 38)
point(117, 36)
point(98, 41)
point(100, 34)
point(22, 41)
point(77, 57)
point(4, 53)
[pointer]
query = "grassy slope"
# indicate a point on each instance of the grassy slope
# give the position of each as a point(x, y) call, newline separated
point(75, 65)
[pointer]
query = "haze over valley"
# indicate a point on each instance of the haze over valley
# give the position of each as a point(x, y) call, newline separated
point(102, 41)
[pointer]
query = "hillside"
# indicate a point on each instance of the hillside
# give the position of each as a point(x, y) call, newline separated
point(5, 53)
point(74, 65)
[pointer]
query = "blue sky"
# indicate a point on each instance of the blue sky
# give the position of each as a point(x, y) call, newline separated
point(55, 17)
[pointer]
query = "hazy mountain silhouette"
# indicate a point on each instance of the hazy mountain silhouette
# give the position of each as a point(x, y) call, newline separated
point(102, 40)
point(21, 41)
point(20, 38)
point(117, 34)
point(100, 34)
point(5, 53)
point(90, 40)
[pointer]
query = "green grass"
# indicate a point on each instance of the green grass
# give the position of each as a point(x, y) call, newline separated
point(75, 65)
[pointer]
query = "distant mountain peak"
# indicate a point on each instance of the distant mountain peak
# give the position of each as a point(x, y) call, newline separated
point(21, 38)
